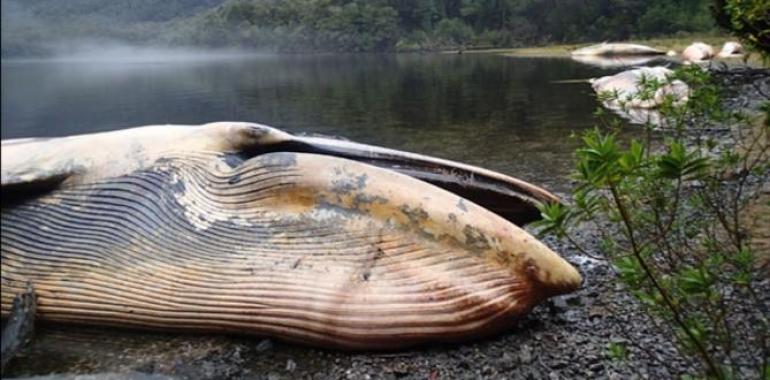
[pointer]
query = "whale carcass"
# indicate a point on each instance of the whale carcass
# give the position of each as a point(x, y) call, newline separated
point(731, 49)
point(698, 52)
point(243, 228)
point(616, 49)
point(611, 62)
point(626, 93)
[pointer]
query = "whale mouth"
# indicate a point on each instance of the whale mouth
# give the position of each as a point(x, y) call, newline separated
point(34, 166)
point(515, 200)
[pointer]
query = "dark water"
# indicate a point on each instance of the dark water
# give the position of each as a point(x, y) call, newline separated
point(490, 110)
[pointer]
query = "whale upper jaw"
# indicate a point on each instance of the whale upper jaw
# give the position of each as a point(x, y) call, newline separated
point(40, 164)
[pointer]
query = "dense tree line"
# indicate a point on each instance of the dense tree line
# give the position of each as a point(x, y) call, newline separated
point(748, 19)
point(347, 25)
point(358, 25)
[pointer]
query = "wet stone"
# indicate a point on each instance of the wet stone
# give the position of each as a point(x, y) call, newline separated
point(264, 345)
point(525, 355)
point(559, 303)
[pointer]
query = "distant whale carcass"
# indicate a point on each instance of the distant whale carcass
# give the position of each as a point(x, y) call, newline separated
point(243, 228)
point(731, 49)
point(611, 62)
point(616, 49)
point(627, 85)
point(698, 52)
point(625, 93)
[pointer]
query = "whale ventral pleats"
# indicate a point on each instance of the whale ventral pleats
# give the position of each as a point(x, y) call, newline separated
point(243, 228)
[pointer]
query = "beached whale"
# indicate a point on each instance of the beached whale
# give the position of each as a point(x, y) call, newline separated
point(731, 49)
point(626, 86)
point(617, 49)
point(697, 52)
point(612, 62)
point(243, 228)
point(623, 93)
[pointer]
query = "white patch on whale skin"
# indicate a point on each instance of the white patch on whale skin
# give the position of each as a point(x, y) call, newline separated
point(197, 213)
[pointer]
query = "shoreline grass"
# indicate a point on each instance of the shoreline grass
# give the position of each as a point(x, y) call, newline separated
point(675, 43)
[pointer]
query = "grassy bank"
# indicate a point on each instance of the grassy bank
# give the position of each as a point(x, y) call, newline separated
point(677, 43)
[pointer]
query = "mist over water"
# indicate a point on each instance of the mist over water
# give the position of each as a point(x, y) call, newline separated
point(499, 112)
point(112, 52)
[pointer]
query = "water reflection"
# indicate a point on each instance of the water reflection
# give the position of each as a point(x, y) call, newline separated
point(608, 62)
point(499, 112)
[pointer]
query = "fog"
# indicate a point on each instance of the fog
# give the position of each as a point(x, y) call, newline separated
point(29, 37)
point(95, 31)
point(112, 52)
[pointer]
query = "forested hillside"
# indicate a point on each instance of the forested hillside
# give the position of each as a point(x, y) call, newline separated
point(33, 26)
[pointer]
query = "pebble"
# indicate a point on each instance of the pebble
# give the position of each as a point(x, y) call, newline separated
point(525, 355)
point(264, 345)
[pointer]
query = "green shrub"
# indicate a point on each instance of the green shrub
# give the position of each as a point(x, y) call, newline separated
point(747, 19)
point(676, 238)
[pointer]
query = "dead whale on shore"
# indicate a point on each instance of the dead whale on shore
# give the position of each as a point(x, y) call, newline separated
point(697, 52)
point(731, 49)
point(616, 49)
point(242, 228)
point(613, 62)
point(623, 93)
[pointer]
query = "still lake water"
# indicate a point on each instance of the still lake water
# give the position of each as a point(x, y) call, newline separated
point(499, 112)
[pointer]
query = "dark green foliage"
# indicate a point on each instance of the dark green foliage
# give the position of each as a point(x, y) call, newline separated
point(748, 19)
point(344, 25)
point(672, 16)
point(294, 25)
point(617, 351)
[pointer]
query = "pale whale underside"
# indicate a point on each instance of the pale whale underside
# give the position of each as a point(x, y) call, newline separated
point(303, 247)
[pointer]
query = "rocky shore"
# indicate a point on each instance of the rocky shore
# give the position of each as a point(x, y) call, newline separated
point(568, 337)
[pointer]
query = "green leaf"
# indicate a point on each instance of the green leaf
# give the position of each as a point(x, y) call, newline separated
point(617, 351)
point(555, 219)
point(694, 280)
point(744, 259)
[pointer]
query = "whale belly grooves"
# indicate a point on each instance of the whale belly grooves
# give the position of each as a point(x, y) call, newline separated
point(303, 247)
